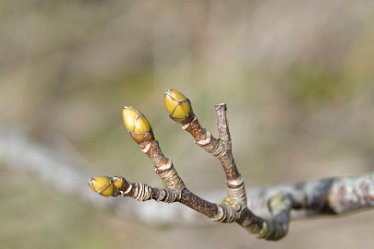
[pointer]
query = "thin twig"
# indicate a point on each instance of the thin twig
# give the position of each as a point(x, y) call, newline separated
point(329, 196)
point(234, 206)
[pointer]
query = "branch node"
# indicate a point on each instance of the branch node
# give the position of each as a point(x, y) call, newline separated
point(125, 193)
point(146, 147)
point(205, 141)
point(164, 167)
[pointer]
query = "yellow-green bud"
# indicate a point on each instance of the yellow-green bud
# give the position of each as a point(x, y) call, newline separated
point(119, 182)
point(101, 185)
point(137, 125)
point(177, 105)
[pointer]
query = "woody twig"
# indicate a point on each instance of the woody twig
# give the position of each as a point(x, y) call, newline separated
point(325, 196)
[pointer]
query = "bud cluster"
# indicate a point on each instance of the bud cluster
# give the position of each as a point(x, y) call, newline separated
point(108, 186)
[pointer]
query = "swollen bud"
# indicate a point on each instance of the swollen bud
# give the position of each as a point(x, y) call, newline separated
point(137, 125)
point(177, 105)
point(101, 185)
point(108, 186)
point(119, 183)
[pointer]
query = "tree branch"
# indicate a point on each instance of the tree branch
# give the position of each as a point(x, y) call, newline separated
point(266, 213)
point(326, 196)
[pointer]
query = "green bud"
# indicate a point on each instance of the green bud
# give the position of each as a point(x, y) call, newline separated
point(101, 185)
point(137, 125)
point(108, 186)
point(119, 183)
point(177, 105)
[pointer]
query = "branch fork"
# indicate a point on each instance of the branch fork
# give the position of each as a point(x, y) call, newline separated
point(233, 207)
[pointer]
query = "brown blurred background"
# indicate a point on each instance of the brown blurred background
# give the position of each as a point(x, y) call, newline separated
point(298, 78)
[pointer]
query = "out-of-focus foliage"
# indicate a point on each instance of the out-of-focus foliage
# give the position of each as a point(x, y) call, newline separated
point(297, 76)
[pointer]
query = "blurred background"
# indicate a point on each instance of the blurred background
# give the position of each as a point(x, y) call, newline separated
point(298, 78)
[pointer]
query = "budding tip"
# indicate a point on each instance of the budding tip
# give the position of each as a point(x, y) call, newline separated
point(177, 105)
point(128, 107)
point(168, 92)
point(137, 124)
point(119, 182)
point(101, 185)
point(91, 184)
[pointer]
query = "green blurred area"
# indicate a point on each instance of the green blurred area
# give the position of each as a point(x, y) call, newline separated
point(298, 78)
